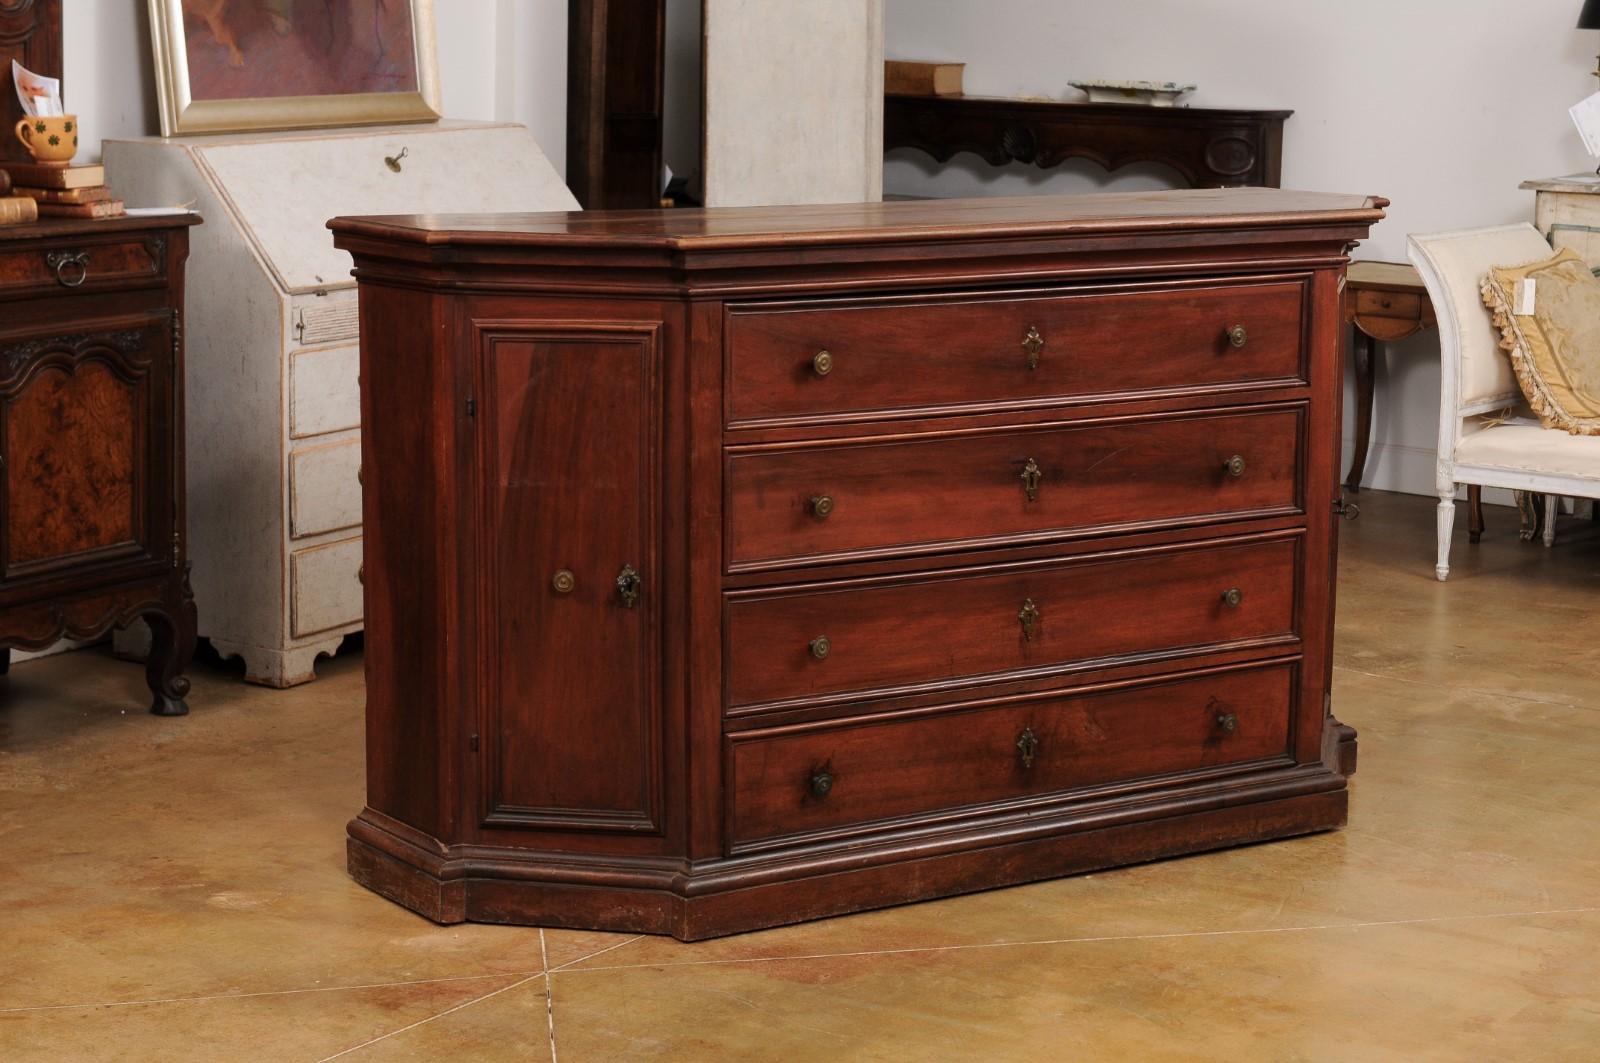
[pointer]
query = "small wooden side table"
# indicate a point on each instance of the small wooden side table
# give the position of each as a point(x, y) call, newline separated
point(1383, 301)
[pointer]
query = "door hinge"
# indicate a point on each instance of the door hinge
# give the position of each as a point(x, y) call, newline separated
point(472, 743)
point(472, 407)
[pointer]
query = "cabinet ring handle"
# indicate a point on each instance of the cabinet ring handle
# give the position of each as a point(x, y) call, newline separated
point(71, 267)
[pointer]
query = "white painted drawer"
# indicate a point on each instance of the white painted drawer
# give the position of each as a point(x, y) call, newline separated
point(325, 587)
point(324, 390)
point(325, 488)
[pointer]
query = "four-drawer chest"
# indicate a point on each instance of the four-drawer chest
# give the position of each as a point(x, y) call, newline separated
point(732, 568)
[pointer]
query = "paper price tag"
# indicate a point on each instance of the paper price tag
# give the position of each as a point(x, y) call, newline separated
point(1525, 296)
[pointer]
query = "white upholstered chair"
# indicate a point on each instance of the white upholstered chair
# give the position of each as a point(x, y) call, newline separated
point(1477, 443)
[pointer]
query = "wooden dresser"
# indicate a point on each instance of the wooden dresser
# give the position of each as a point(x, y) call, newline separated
point(91, 438)
point(733, 568)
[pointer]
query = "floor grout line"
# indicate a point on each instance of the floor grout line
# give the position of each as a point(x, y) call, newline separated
point(208, 997)
point(549, 1002)
point(597, 952)
point(430, 1018)
point(1087, 940)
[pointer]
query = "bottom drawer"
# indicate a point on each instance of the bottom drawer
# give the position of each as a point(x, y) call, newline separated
point(325, 587)
point(816, 777)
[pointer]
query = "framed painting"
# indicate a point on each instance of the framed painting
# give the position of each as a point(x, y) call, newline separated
point(227, 66)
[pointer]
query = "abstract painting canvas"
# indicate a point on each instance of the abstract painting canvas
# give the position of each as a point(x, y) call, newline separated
point(232, 65)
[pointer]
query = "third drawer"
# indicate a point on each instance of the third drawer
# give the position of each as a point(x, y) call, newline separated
point(872, 637)
point(835, 501)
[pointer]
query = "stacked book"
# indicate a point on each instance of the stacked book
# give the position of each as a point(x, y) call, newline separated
point(15, 210)
point(63, 191)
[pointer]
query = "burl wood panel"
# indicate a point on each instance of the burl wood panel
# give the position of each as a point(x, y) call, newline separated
point(926, 630)
point(915, 494)
point(915, 764)
point(908, 354)
point(90, 265)
point(73, 450)
point(570, 431)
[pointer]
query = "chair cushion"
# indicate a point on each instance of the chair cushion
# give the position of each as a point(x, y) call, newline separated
point(1529, 448)
point(1553, 338)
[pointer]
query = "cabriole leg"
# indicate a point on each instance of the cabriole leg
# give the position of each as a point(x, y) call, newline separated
point(171, 647)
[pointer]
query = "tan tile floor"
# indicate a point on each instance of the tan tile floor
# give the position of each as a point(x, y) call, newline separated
point(174, 889)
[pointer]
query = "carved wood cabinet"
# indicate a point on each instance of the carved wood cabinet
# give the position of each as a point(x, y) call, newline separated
point(732, 568)
point(91, 436)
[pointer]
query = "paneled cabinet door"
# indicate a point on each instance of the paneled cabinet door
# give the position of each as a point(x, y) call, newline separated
point(83, 465)
point(569, 459)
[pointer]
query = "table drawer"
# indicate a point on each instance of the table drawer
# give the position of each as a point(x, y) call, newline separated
point(912, 354)
point(813, 778)
point(858, 637)
point(914, 494)
point(1389, 304)
point(83, 266)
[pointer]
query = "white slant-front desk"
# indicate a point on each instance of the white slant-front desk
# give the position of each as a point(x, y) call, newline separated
point(274, 422)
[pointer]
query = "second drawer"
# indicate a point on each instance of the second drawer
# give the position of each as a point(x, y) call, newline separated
point(915, 494)
point(872, 636)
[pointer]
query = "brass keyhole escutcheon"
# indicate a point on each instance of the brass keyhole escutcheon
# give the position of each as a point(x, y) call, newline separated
point(1227, 722)
point(1033, 343)
point(629, 584)
point(1237, 337)
point(1032, 475)
point(820, 647)
point(1028, 615)
point(563, 581)
point(822, 363)
point(822, 783)
point(1234, 466)
point(1027, 747)
point(821, 506)
point(1232, 597)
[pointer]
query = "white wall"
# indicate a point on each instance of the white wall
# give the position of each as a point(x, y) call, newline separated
point(1443, 106)
point(498, 59)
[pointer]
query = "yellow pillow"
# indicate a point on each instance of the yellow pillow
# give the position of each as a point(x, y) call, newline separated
point(1553, 337)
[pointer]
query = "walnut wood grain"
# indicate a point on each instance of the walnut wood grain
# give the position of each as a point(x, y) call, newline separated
point(546, 396)
point(30, 34)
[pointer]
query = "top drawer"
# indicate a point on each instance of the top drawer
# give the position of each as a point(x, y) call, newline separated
point(817, 361)
point(79, 265)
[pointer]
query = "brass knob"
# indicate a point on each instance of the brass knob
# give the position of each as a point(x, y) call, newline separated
point(822, 363)
point(1237, 336)
point(563, 581)
point(1227, 722)
point(361, 474)
point(629, 584)
point(821, 505)
point(1234, 466)
point(361, 573)
point(1029, 617)
point(822, 783)
point(821, 646)
point(1031, 477)
point(1033, 343)
point(1027, 747)
point(1232, 597)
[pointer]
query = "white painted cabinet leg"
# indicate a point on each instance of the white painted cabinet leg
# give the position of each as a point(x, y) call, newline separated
point(279, 668)
point(1552, 506)
point(1447, 520)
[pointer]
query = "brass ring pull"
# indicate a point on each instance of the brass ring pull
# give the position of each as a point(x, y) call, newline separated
point(821, 506)
point(1028, 616)
point(1232, 597)
point(822, 783)
point(72, 267)
point(1033, 343)
point(820, 647)
point(1227, 722)
point(1032, 475)
point(1237, 336)
point(1027, 747)
point(629, 584)
point(822, 363)
point(563, 581)
point(1234, 466)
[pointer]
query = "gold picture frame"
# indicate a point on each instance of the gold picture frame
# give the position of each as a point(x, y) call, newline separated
point(181, 114)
